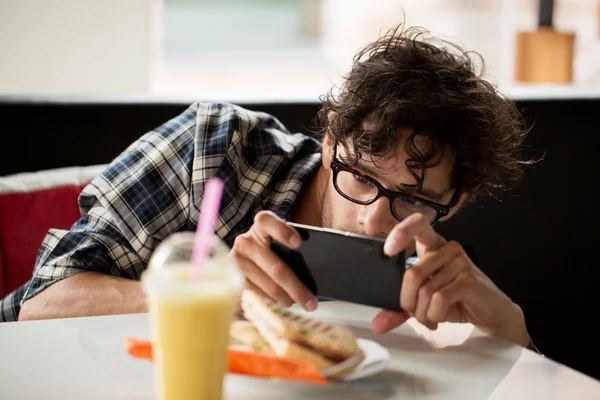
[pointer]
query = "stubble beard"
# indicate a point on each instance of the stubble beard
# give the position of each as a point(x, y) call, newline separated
point(327, 214)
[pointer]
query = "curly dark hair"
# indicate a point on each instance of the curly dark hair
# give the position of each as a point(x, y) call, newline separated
point(408, 85)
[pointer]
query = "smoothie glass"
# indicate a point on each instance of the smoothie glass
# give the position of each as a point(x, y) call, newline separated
point(190, 321)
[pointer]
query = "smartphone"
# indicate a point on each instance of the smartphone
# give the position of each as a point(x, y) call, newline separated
point(345, 266)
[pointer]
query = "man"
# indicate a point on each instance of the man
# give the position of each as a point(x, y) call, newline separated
point(413, 134)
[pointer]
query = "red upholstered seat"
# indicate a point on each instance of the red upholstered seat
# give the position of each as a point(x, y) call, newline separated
point(31, 204)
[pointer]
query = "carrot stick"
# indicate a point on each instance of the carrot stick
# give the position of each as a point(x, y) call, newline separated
point(139, 348)
point(264, 365)
point(248, 363)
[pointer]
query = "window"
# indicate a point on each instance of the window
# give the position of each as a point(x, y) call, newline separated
point(211, 31)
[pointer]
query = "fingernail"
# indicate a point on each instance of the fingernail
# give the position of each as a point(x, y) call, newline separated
point(295, 240)
point(311, 305)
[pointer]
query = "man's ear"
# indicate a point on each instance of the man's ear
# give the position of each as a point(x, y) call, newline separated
point(454, 209)
point(327, 150)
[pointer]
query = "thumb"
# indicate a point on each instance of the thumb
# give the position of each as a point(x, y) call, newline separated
point(387, 320)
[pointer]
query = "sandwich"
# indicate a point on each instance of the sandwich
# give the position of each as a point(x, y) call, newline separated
point(272, 329)
point(245, 336)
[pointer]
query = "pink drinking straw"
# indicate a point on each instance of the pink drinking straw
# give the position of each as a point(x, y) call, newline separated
point(209, 211)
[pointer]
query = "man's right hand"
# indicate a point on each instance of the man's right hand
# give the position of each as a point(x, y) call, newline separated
point(265, 272)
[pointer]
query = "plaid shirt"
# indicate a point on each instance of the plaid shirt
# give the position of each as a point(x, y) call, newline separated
point(154, 188)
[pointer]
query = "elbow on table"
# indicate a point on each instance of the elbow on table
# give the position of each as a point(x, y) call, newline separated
point(27, 311)
point(34, 308)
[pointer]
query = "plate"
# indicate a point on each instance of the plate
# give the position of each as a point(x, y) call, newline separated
point(376, 359)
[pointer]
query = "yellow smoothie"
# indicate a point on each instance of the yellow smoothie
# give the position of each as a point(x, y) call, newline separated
point(190, 330)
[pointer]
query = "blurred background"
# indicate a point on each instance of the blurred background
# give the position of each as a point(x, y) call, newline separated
point(257, 50)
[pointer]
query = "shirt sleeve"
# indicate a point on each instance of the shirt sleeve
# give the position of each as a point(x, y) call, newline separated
point(155, 186)
point(10, 305)
point(140, 198)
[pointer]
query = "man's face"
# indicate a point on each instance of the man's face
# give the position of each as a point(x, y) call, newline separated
point(376, 219)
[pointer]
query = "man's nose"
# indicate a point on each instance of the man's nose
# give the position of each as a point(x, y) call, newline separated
point(376, 218)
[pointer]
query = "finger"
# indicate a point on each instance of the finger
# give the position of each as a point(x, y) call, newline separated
point(421, 272)
point(442, 278)
point(444, 300)
point(281, 274)
point(251, 286)
point(415, 227)
point(247, 246)
point(268, 225)
point(260, 280)
point(387, 320)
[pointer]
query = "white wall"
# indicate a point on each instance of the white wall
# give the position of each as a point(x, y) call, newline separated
point(113, 47)
point(74, 46)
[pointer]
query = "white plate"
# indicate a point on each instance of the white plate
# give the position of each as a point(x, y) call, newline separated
point(376, 359)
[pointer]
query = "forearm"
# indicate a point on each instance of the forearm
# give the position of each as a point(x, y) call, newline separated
point(86, 294)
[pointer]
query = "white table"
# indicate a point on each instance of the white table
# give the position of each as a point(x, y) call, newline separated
point(85, 358)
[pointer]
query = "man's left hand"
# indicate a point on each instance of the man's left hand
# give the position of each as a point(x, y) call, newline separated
point(445, 285)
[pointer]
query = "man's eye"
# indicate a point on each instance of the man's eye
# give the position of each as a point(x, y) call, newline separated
point(361, 180)
point(412, 201)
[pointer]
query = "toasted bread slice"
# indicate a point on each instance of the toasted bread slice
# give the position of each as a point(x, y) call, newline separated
point(293, 335)
point(245, 336)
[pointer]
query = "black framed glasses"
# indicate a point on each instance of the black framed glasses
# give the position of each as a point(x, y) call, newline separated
point(360, 188)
